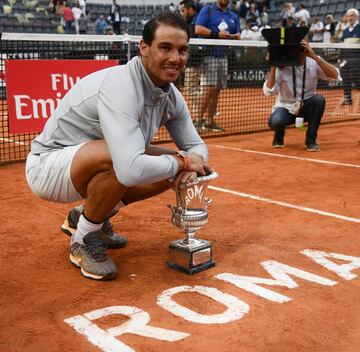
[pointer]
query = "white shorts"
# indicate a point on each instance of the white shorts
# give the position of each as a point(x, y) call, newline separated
point(214, 72)
point(48, 175)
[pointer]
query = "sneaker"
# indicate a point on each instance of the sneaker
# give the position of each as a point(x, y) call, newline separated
point(312, 147)
point(198, 125)
point(347, 102)
point(91, 257)
point(108, 236)
point(213, 126)
point(277, 144)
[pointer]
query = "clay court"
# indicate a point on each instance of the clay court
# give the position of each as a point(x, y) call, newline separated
point(286, 222)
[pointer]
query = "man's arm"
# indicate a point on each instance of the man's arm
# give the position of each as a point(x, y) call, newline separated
point(329, 70)
point(270, 82)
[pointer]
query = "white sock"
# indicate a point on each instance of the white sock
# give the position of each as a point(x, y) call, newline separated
point(80, 208)
point(84, 227)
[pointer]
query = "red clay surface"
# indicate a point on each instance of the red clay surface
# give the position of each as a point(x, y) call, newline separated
point(39, 288)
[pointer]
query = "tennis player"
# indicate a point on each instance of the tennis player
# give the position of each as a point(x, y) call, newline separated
point(96, 146)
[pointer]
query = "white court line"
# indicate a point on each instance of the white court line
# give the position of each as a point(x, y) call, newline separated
point(13, 141)
point(286, 156)
point(288, 205)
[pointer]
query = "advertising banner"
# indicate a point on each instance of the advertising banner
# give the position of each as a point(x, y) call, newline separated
point(34, 88)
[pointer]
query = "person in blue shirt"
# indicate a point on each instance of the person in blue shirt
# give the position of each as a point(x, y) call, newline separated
point(351, 57)
point(100, 25)
point(215, 21)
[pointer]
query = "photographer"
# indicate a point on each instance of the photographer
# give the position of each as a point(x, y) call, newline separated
point(295, 88)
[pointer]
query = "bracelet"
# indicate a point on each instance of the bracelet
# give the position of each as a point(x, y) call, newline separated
point(214, 35)
point(184, 157)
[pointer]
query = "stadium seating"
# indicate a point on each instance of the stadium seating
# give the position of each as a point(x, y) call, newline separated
point(25, 17)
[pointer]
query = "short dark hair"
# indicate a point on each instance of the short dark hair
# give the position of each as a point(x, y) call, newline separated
point(189, 4)
point(169, 19)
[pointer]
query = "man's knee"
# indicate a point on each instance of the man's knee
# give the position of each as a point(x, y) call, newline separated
point(318, 100)
point(277, 119)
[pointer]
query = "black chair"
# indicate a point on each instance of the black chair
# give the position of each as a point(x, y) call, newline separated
point(124, 10)
point(149, 12)
point(323, 9)
point(141, 10)
point(132, 10)
point(340, 7)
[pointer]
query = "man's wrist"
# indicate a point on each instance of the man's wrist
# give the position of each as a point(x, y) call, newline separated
point(214, 35)
point(184, 159)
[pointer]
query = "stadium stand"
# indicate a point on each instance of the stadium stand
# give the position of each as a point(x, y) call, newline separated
point(36, 16)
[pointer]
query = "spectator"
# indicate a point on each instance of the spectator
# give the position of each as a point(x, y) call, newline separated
point(100, 25)
point(253, 15)
point(83, 24)
point(244, 6)
point(68, 17)
point(351, 57)
point(77, 12)
point(115, 17)
point(287, 11)
point(303, 15)
point(316, 30)
point(193, 67)
point(264, 16)
point(172, 7)
point(218, 22)
point(295, 89)
point(290, 22)
point(247, 33)
point(329, 29)
point(82, 5)
point(339, 29)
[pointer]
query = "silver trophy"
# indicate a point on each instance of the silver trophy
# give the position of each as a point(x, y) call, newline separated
point(191, 255)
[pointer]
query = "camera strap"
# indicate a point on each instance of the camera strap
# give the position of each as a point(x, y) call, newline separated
point(303, 84)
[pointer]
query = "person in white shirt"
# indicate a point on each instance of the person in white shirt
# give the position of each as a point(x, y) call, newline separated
point(295, 89)
point(339, 28)
point(77, 12)
point(329, 29)
point(303, 14)
point(317, 30)
point(248, 33)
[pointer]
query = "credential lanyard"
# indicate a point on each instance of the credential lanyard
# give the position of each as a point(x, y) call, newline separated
point(303, 84)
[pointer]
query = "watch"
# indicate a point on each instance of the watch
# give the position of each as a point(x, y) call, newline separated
point(184, 157)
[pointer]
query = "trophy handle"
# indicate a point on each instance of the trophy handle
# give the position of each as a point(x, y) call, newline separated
point(208, 201)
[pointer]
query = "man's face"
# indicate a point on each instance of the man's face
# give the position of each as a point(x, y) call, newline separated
point(167, 55)
point(351, 18)
point(184, 12)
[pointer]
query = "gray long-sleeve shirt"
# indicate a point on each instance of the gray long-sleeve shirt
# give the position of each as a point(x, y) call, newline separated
point(122, 106)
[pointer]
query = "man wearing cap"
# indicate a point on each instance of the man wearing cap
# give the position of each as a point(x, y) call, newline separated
point(350, 64)
point(295, 89)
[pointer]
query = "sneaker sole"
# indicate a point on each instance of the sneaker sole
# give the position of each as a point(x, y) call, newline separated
point(88, 275)
point(313, 150)
point(278, 146)
point(65, 227)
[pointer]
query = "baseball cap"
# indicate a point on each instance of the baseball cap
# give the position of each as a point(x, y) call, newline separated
point(284, 45)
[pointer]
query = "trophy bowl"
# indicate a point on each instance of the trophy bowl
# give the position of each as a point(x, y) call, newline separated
point(191, 254)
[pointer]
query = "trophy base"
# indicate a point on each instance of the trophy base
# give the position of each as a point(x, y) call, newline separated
point(190, 259)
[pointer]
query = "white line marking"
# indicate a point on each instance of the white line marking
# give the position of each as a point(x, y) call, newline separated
point(286, 156)
point(283, 204)
point(13, 141)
